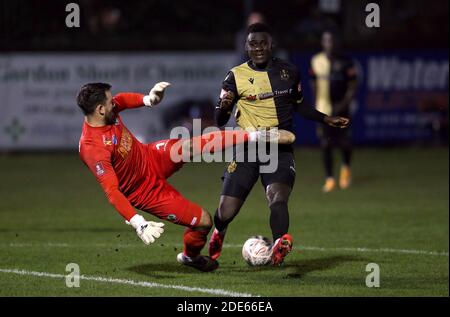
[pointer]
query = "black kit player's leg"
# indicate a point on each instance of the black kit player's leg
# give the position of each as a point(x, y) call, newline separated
point(228, 209)
point(277, 195)
point(345, 144)
point(326, 144)
point(238, 181)
point(327, 157)
point(278, 186)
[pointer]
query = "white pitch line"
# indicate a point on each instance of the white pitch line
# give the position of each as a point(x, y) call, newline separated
point(349, 249)
point(380, 250)
point(212, 291)
point(307, 248)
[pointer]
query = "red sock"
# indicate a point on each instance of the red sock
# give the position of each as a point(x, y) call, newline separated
point(194, 241)
point(218, 140)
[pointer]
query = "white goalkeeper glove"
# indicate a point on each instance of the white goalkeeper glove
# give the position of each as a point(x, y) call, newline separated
point(155, 95)
point(148, 231)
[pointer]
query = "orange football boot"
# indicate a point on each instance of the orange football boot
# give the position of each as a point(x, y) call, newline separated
point(330, 185)
point(281, 247)
point(345, 178)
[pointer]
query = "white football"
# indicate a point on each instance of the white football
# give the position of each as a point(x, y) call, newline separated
point(257, 251)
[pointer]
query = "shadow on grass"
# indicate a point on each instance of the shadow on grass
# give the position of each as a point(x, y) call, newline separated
point(300, 268)
point(303, 267)
point(159, 270)
point(297, 269)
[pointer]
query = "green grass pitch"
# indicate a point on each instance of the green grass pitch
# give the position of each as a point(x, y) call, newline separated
point(52, 212)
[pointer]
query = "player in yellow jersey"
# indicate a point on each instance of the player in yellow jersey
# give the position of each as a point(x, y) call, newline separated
point(267, 91)
point(334, 83)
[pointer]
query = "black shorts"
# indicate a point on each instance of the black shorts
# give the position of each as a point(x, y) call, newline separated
point(239, 177)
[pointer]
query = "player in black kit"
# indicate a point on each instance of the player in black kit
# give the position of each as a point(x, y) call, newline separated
point(333, 77)
point(267, 91)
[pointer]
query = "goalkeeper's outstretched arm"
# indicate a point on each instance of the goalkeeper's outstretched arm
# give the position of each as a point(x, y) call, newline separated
point(129, 100)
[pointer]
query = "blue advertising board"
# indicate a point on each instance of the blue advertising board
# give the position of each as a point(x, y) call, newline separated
point(402, 97)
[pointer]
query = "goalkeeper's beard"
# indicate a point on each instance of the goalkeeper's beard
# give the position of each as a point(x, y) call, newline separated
point(110, 118)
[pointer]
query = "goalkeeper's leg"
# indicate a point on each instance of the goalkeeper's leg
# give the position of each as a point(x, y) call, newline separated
point(219, 140)
point(195, 236)
point(194, 240)
point(171, 206)
point(214, 142)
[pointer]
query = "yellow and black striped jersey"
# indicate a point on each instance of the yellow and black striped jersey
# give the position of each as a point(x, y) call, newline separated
point(265, 98)
point(332, 77)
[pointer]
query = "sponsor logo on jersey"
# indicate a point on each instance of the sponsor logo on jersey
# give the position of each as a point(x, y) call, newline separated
point(271, 94)
point(275, 93)
point(126, 142)
point(251, 80)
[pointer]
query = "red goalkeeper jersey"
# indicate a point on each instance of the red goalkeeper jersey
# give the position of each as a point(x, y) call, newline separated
point(119, 161)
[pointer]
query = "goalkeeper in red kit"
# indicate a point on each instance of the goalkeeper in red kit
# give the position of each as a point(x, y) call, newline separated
point(134, 175)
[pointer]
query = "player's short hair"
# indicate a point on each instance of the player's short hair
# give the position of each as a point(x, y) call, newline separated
point(90, 95)
point(259, 27)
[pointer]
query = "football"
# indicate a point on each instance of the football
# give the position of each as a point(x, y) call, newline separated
point(257, 251)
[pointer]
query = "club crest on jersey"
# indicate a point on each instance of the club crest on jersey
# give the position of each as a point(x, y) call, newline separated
point(99, 169)
point(284, 74)
point(107, 141)
point(251, 80)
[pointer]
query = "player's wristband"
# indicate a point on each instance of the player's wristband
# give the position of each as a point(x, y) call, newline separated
point(136, 221)
point(147, 101)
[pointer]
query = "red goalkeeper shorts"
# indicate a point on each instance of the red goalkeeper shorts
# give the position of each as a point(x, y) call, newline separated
point(164, 201)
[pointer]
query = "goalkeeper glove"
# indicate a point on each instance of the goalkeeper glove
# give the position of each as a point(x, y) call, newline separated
point(156, 94)
point(148, 231)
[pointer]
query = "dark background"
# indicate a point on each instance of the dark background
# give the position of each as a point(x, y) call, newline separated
point(410, 30)
point(212, 25)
